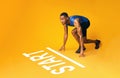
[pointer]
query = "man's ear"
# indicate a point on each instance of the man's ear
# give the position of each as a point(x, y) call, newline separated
point(67, 18)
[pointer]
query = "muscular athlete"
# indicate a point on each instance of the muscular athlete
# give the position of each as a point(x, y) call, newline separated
point(80, 24)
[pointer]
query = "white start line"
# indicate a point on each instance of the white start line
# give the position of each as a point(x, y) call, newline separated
point(71, 60)
point(44, 59)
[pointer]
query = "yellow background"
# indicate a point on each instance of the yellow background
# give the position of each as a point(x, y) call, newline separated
point(32, 25)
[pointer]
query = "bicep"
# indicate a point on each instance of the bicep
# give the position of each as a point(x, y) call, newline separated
point(78, 26)
point(77, 22)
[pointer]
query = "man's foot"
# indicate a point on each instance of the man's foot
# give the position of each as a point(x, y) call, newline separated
point(78, 51)
point(97, 44)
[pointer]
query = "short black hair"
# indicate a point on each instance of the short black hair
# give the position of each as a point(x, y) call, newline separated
point(64, 14)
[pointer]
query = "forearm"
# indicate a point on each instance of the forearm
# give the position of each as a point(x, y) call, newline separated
point(65, 39)
point(81, 42)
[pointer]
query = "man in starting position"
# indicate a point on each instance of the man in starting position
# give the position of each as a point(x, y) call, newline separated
point(81, 24)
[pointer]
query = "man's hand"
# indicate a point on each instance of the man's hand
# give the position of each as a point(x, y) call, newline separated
point(62, 48)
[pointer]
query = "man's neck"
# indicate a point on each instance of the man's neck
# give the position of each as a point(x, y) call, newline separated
point(68, 22)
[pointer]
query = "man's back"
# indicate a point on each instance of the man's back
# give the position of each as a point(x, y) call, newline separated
point(81, 18)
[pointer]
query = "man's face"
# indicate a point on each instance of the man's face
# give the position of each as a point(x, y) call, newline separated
point(63, 19)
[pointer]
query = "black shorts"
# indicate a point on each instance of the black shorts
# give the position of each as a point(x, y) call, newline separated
point(84, 27)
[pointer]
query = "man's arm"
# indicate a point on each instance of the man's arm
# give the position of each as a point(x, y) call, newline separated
point(79, 32)
point(65, 37)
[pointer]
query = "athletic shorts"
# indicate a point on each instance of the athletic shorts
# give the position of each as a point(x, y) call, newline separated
point(84, 26)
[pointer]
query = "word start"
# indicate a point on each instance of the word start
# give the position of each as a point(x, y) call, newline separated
point(49, 62)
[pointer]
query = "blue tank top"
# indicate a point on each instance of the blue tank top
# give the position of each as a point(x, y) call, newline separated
point(82, 19)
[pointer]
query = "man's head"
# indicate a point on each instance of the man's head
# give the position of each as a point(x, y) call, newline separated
point(64, 18)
